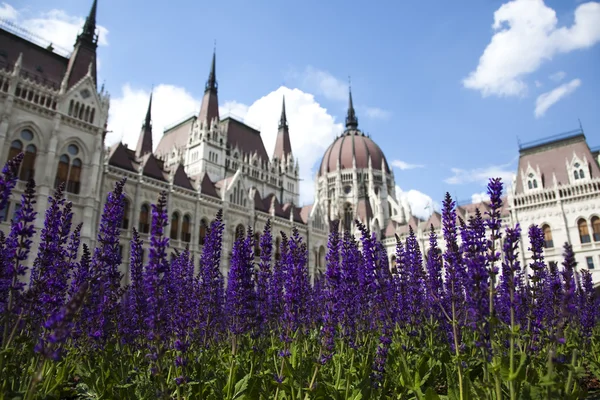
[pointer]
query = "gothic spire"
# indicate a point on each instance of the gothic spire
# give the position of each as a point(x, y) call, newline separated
point(211, 83)
point(89, 28)
point(351, 120)
point(283, 145)
point(283, 119)
point(144, 145)
point(209, 110)
point(83, 59)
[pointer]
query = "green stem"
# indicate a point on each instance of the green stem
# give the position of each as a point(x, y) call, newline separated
point(348, 378)
point(570, 376)
point(229, 381)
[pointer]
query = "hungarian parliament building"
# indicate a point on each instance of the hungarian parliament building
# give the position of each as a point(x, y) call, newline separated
point(52, 110)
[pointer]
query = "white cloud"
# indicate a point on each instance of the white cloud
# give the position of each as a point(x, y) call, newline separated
point(526, 35)
point(548, 99)
point(128, 110)
point(323, 83)
point(403, 165)
point(538, 84)
point(481, 175)
point(312, 129)
point(8, 12)
point(558, 76)
point(55, 26)
point(479, 197)
point(421, 205)
point(377, 113)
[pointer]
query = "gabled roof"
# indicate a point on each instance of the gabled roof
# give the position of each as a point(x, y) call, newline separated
point(247, 139)
point(120, 157)
point(181, 179)
point(153, 168)
point(207, 187)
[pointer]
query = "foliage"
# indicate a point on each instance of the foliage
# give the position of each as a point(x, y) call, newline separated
point(469, 322)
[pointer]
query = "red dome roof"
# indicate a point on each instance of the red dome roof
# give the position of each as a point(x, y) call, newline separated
point(353, 143)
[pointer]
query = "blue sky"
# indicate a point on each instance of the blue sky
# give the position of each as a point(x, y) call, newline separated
point(409, 63)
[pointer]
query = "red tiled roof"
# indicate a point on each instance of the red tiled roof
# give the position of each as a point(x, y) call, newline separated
point(119, 156)
point(153, 167)
point(247, 139)
point(551, 158)
point(207, 187)
point(353, 142)
point(305, 213)
point(181, 179)
point(39, 64)
point(177, 136)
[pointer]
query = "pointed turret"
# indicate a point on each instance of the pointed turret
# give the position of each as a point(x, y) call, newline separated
point(209, 110)
point(351, 120)
point(283, 145)
point(144, 145)
point(84, 53)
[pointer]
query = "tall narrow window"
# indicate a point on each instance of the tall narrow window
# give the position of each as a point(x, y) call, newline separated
point(175, 226)
point(548, 243)
point(348, 217)
point(581, 174)
point(69, 170)
point(4, 213)
point(576, 174)
point(186, 233)
point(584, 234)
point(125, 220)
point(239, 232)
point(277, 249)
point(257, 244)
point(596, 228)
point(144, 225)
point(322, 257)
point(24, 144)
point(203, 231)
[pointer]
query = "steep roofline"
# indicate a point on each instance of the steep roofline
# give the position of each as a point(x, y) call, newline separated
point(4, 24)
point(549, 142)
point(168, 128)
point(229, 117)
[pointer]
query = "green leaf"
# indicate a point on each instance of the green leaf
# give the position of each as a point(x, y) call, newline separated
point(241, 386)
point(430, 394)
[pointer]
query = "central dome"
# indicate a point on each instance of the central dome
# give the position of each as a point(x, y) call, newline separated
point(353, 144)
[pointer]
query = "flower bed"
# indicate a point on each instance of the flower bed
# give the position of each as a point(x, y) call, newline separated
point(469, 322)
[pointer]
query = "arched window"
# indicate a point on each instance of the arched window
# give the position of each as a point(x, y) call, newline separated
point(175, 226)
point(581, 174)
point(576, 174)
point(69, 170)
point(23, 144)
point(257, 244)
point(548, 243)
point(125, 220)
point(535, 184)
point(186, 232)
point(144, 225)
point(584, 234)
point(596, 228)
point(529, 185)
point(277, 248)
point(239, 232)
point(348, 216)
point(202, 233)
point(321, 257)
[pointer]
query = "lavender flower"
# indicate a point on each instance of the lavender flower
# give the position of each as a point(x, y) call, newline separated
point(296, 298)
point(537, 280)
point(434, 283)
point(240, 301)
point(263, 276)
point(211, 285)
point(8, 180)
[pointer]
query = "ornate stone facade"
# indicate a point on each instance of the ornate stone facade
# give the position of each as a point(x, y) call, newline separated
point(51, 109)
